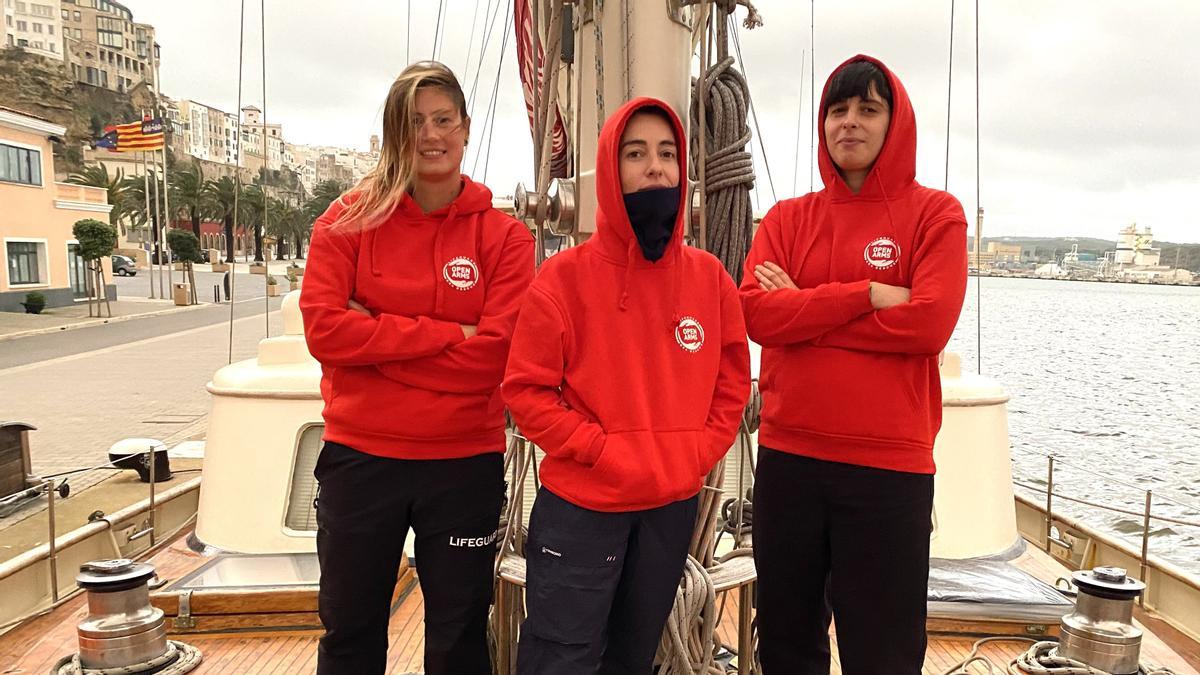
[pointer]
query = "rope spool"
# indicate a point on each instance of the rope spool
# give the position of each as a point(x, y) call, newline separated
point(729, 167)
point(178, 659)
point(687, 641)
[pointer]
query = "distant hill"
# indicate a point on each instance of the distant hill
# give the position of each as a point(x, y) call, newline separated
point(44, 88)
point(1047, 247)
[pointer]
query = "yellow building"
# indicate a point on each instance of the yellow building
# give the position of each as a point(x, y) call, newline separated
point(38, 249)
point(105, 46)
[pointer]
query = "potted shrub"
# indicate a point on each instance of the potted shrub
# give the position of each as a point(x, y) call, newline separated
point(34, 302)
point(272, 286)
point(296, 268)
point(293, 280)
point(258, 267)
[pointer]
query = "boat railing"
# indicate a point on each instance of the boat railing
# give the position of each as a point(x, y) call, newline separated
point(56, 561)
point(1052, 491)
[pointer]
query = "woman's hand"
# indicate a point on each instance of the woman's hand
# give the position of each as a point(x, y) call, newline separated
point(771, 277)
point(358, 308)
point(468, 331)
point(884, 296)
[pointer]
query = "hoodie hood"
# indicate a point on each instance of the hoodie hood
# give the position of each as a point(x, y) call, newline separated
point(895, 170)
point(614, 233)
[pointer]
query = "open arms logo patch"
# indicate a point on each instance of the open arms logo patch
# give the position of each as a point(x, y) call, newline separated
point(882, 253)
point(689, 334)
point(461, 273)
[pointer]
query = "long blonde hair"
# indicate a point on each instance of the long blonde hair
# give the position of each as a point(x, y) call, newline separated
point(380, 191)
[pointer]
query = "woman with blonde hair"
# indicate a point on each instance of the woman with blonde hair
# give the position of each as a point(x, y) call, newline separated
point(409, 301)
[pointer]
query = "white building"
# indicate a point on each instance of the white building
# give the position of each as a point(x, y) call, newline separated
point(35, 25)
point(195, 141)
point(265, 141)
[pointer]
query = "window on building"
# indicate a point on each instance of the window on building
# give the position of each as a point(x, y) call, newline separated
point(22, 43)
point(53, 48)
point(20, 165)
point(78, 16)
point(42, 10)
point(8, 20)
point(50, 28)
point(93, 75)
point(66, 14)
point(25, 262)
point(109, 39)
point(21, 8)
point(22, 26)
point(37, 27)
point(78, 33)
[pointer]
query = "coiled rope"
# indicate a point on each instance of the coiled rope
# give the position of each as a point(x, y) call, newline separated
point(178, 659)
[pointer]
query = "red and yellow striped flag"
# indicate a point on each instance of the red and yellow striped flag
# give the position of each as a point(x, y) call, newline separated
point(140, 136)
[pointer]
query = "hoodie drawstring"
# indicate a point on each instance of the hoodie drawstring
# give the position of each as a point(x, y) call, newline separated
point(440, 293)
point(375, 270)
point(633, 250)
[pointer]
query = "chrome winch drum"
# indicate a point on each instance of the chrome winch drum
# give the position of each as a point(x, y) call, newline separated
point(1100, 632)
point(122, 628)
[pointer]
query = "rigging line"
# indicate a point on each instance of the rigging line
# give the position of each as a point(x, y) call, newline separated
point(471, 40)
point(508, 30)
point(812, 89)
point(237, 172)
point(408, 35)
point(487, 38)
point(266, 153)
point(949, 86)
point(488, 108)
point(437, 29)
point(799, 119)
point(737, 44)
point(978, 213)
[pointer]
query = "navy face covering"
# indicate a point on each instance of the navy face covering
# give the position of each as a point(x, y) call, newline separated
point(652, 214)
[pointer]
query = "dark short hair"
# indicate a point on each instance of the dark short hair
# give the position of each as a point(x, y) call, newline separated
point(855, 79)
point(654, 111)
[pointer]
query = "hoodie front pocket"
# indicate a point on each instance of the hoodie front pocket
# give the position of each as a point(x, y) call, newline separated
point(636, 468)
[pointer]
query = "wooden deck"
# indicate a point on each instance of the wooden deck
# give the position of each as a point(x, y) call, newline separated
point(37, 645)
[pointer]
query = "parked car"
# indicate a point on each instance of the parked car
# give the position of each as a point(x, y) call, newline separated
point(123, 265)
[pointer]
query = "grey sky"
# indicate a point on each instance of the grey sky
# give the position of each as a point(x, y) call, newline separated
point(1087, 114)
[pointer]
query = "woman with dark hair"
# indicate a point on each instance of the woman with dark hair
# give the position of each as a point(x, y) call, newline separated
point(409, 302)
point(630, 369)
point(852, 291)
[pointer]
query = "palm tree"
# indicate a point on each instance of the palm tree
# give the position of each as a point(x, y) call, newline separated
point(324, 194)
point(288, 223)
point(255, 200)
point(224, 194)
point(189, 195)
point(96, 175)
point(136, 201)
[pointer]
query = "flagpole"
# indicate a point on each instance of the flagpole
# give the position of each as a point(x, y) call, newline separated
point(149, 220)
point(162, 293)
point(166, 222)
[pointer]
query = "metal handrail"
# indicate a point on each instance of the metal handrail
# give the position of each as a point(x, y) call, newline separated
point(1060, 462)
point(1146, 514)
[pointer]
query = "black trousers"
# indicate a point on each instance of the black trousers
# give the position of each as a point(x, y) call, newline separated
point(600, 586)
point(842, 539)
point(365, 507)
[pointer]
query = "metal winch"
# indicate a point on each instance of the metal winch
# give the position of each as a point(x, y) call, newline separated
point(122, 628)
point(1100, 632)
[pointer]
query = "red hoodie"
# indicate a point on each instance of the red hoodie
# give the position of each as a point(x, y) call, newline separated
point(841, 381)
point(632, 376)
point(404, 382)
